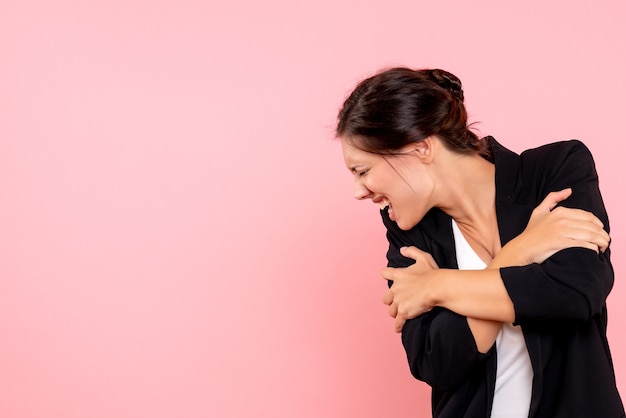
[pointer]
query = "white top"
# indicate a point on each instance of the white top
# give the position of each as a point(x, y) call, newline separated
point(514, 375)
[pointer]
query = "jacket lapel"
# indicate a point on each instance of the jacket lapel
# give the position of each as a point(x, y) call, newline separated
point(512, 217)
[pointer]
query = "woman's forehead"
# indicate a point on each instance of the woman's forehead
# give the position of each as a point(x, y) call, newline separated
point(354, 156)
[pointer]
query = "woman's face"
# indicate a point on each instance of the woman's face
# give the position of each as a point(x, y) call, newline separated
point(401, 182)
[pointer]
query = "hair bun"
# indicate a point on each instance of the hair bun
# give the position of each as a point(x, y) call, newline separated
point(447, 81)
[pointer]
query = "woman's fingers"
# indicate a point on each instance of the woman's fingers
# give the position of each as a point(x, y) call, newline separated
point(393, 310)
point(552, 199)
point(388, 297)
point(583, 227)
point(411, 252)
point(399, 323)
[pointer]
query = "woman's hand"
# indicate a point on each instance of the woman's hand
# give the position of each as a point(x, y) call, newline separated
point(552, 229)
point(409, 296)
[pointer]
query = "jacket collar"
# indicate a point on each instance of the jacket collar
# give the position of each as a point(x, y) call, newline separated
point(508, 180)
point(512, 216)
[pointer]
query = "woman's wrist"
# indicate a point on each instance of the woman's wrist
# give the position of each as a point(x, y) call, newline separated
point(439, 287)
point(508, 256)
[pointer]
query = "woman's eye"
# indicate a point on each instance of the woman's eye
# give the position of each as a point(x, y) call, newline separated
point(362, 173)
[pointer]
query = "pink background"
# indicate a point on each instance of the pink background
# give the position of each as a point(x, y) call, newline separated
point(177, 232)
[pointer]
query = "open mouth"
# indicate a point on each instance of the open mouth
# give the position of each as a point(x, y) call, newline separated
point(384, 204)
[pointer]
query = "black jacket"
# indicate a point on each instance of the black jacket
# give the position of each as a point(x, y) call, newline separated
point(560, 304)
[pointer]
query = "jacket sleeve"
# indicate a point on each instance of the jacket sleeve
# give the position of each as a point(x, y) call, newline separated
point(439, 345)
point(441, 349)
point(573, 283)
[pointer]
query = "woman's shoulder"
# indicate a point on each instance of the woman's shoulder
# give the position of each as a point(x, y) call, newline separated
point(557, 157)
point(558, 151)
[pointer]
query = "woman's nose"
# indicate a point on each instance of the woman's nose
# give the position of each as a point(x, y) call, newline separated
point(360, 191)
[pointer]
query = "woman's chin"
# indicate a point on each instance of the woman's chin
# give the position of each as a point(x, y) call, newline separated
point(405, 224)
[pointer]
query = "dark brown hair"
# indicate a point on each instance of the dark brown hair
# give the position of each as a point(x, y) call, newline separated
point(400, 106)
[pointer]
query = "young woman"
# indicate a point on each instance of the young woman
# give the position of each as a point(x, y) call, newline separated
point(499, 262)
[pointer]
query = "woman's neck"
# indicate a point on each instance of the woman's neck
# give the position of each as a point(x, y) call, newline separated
point(468, 195)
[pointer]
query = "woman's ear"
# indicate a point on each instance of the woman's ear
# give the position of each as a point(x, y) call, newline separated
point(425, 149)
